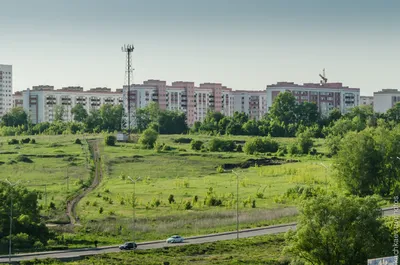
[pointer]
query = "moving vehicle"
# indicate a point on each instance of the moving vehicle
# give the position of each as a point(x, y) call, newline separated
point(175, 239)
point(128, 246)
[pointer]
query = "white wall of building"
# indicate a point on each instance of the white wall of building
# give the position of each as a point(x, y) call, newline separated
point(385, 99)
point(42, 111)
point(6, 88)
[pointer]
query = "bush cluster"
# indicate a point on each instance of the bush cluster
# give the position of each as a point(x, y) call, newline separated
point(261, 145)
point(220, 145)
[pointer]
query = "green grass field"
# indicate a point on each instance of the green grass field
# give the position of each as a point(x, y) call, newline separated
point(57, 166)
point(184, 173)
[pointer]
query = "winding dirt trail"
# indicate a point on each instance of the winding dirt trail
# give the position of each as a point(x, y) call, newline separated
point(98, 174)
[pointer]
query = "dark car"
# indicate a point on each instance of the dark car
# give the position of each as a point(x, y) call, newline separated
point(128, 245)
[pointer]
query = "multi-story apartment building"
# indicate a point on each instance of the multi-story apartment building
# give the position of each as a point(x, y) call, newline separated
point(17, 99)
point(40, 103)
point(194, 101)
point(327, 96)
point(6, 88)
point(253, 103)
point(367, 100)
point(386, 99)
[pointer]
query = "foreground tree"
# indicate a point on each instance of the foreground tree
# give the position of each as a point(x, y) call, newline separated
point(27, 227)
point(338, 230)
point(367, 162)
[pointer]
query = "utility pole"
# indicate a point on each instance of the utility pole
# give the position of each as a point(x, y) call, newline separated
point(128, 49)
point(67, 177)
point(326, 176)
point(45, 199)
point(11, 215)
point(237, 204)
point(134, 204)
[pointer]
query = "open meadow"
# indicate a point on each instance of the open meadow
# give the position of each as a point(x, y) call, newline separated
point(53, 165)
point(179, 191)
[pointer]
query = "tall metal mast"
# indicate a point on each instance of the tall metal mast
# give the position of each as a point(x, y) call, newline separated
point(128, 49)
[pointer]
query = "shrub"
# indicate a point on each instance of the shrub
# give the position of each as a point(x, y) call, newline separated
point(220, 145)
point(171, 199)
point(101, 210)
point(166, 148)
point(196, 145)
point(304, 142)
point(32, 141)
point(110, 140)
point(158, 147)
point(293, 149)
point(183, 140)
point(260, 195)
point(188, 205)
point(78, 141)
point(52, 206)
point(23, 158)
point(239, 148)
point(13, 141)
point(261, 145)
point(155, 202)
point(148, 138)
point(220, 169)
point(25, 141)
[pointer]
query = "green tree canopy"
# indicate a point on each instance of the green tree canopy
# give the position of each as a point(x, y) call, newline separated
point(15, 117)
point(79, 112)
point(367, 162)
point(26, 218)
point(338, 230)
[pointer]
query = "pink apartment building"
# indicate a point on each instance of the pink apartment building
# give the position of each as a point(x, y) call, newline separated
point(193, 100)
point(327, 96)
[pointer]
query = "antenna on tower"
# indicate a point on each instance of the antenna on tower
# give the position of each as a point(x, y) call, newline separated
point(128, 49)
point(323, 77)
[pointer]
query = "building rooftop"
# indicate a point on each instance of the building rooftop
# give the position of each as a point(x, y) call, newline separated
point(335, 85)
point(388, 91)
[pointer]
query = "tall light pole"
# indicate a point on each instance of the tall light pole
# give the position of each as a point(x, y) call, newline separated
point(237, 204)
point(134, 204)
point(326, 178)
point(11, 214)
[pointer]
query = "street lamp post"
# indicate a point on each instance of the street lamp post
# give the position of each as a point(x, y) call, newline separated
point(237, 204)
point(326, 178)
point(11, 215)
point(134, 204)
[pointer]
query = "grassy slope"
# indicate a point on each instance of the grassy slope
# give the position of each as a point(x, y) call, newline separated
point(256, 250)
point(186, 174)
point(181, 173)
point(50, 171)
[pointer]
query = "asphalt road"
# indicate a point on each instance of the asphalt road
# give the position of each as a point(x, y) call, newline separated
point(75, 253)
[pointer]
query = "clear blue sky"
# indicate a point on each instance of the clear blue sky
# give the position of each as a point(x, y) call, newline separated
point(244, 44)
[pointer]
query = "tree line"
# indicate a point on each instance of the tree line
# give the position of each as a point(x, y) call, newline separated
point(285, 118)
point(107, 118)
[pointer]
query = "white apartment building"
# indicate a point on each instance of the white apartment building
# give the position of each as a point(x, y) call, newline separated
point(40, 103)
point(367, 100)
point(6, 88)
point(385, 99)
point(253, 103)
point(327, 96)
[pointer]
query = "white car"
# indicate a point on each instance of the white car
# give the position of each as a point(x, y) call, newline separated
point(175, 239)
